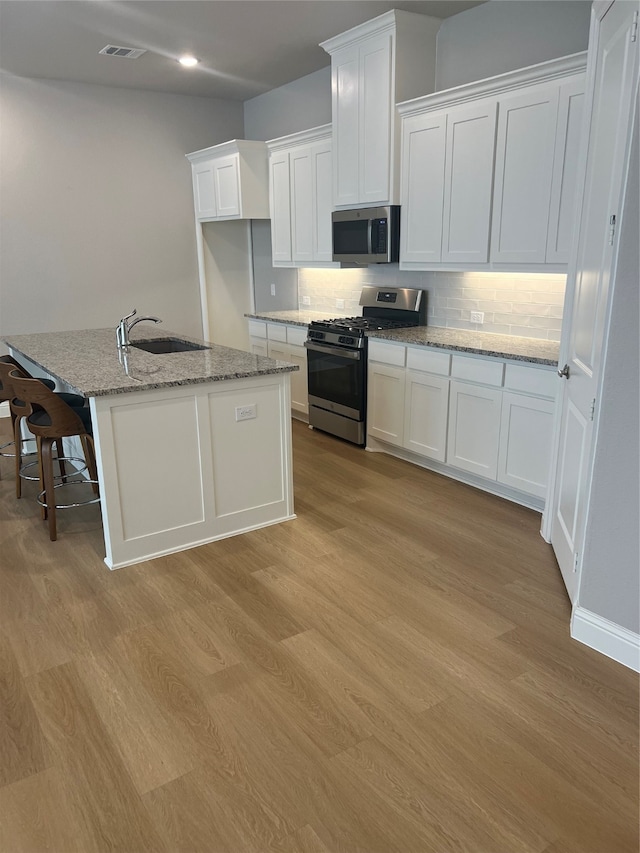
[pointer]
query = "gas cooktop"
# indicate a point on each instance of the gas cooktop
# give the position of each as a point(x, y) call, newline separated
point(390, 308)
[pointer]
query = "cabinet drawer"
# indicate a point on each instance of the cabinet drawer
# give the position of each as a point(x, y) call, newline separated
point(257, 329)
point(387, 353)
point(477, 370)
point(429, 360)
point(277, 332)
point(297, 335)
point(530, 380)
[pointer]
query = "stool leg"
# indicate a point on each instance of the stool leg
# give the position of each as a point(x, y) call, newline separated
point(60, 452)
point(49, 491)
point(90, 459)
point(18, 457)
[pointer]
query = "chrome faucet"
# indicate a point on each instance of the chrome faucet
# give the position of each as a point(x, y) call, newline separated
point(124, 327)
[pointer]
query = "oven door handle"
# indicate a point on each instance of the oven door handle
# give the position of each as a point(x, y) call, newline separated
point(352, 354)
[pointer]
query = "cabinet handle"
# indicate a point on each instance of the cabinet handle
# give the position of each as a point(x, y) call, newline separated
point(564, 373)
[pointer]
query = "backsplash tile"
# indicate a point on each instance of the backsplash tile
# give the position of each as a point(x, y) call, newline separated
point(527, 305)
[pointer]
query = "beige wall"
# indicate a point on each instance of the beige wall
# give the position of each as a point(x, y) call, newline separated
point(96, 211)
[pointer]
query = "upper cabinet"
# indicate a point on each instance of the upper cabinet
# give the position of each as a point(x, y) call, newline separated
point(300, 167)
point(373, 66)
point(230, 181)
point(489, 171)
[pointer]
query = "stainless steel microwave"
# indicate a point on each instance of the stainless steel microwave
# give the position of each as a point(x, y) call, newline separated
point(368, 235)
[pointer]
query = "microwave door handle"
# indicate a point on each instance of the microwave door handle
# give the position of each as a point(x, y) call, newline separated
point(353, 355)
point(369, 237)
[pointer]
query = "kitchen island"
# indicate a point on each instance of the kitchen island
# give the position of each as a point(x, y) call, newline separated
point(191, 446)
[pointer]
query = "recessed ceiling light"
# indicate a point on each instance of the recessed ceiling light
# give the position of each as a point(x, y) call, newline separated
point(188, 61)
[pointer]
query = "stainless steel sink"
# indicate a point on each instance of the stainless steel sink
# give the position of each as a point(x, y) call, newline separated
point(161, 346)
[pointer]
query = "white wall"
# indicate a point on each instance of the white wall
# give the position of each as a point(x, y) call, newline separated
point(610, 576)
point(299, 105)
point(503, 35)
point(96, 211)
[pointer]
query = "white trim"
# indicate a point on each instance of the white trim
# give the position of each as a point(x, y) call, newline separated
point(303, 137)
point(543, 72)
point(233, 146)
point(606, 637)
point(5, 411)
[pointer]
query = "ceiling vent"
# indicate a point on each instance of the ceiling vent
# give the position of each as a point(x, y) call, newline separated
point(124, 52)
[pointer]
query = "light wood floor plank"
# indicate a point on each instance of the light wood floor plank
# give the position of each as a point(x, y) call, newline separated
point(391, 672)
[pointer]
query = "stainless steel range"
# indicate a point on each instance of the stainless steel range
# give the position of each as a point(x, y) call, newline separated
point(337, 358)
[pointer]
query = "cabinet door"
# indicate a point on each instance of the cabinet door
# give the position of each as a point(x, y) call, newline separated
point(299, 385)
point(425, 414)
point(323, 201)
point(278, 350)
point(474, 428)
point(525, 443)
point(422, 187)
point(280, 208)
point(385, 413)
point(377, 115)
point(563, 212)
point(300, 171)
point(468, 183)
point(204, 191)
point(346, 131)
point(226, 177)
point(524, 168)
point(258, 346)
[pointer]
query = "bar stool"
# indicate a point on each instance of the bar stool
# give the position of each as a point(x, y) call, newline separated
point(7, 365)
point(51, 419)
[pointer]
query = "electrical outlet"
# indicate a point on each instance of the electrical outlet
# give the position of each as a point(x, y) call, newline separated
point(245, 413)
point(306, 300)
point(339, 303)
point(477, 317)
point(273, 290)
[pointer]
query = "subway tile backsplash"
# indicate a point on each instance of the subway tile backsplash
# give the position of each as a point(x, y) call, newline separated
point(525, 304)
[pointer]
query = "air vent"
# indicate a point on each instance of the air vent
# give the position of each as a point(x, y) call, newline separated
point(124, 52)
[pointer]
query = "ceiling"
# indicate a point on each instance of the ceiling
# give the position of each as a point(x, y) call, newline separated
point(245, 47)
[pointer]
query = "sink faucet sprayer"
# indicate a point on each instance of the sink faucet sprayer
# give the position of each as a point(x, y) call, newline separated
point(124, 327)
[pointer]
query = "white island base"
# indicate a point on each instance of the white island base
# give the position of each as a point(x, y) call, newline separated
point(185, 465)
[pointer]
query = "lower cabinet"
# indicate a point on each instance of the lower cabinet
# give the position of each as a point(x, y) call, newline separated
point(474, 428)
point(385, 400)
point(525, 443)
point(285, 343)
point(426, 408)
point(483, 416)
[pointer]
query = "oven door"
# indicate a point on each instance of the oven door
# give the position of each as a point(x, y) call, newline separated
point(337, 379)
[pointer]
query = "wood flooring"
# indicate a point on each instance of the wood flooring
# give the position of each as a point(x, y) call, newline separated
point(391, 672)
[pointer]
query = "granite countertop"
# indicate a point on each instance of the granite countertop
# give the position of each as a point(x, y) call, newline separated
point(290, 318)
point(533, 350)
point(89, 362)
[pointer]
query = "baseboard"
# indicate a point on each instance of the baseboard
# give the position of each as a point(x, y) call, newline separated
point(606, 637)
point(5, 412)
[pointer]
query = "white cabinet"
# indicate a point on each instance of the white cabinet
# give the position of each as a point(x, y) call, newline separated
point(526, 429)
point(285, 343)
point(385, 403)
point(426, 414)
point(536, 168)
point(489, 171)
point(373, 66)
point(230, 181)
point(474, 428)
point(524, 168)
point(447, 178)
point(300, 198)
point(463, 413)
point(565, 171)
